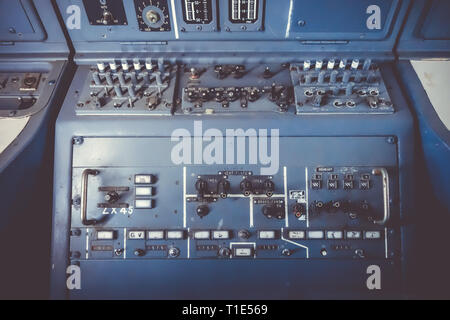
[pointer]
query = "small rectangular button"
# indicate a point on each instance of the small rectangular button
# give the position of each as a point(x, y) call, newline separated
point(335, 235)
point(136, 235)
point(353, 235)
point(105, 235)
point(372, 235)
point(144, 179)
point(315, 234)
point(266, 234)
point(175, 234)
point(144, 191)
point(155, 235)
point(221, 234)
point(144, 203)
point(202, 235)
point(296, 234)
point(243, 252)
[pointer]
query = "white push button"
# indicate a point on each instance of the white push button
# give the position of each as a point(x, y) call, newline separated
point(221, 234)
point(175, 235)
point(353, 235)
point(136, 235)
point(155, 235)
point(143, 203)
point(315, 234)
point(296, 235)
point(372, 235)
point(266, 234)
point(143, 179)
point(105, 235)
point(335, 235)
point(202, 235)
point(243, 252)
point(144, 191)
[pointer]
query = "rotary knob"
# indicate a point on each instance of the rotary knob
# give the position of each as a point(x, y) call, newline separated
point(153, 16)
point(244, 234)
point(174, 252)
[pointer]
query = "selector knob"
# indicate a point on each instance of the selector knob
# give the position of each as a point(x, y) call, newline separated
point(223, 188)
point(174, 252)
point(153, 16)
point(202, 211)
point(269, 187)
point(112, 197)
point(201, 186)
point(244, 234)
point(107, 17)
point(246, 187)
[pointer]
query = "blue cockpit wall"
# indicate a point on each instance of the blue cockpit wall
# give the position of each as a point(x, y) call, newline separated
point(366, 27)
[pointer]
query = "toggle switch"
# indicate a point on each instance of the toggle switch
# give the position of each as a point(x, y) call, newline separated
point(96, 78)
point(118, 91)
point(333, 76)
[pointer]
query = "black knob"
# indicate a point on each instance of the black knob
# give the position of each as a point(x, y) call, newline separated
point(223, 188)
point(202, 211)
point(201, 186)
point(269, 187)
point(246, 187)
point(112, 197)
point(244, 234)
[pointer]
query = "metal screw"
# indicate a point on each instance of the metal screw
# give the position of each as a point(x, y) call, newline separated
point(391, 140)
point(51, 82)
point(301, 23)
point(78, 140)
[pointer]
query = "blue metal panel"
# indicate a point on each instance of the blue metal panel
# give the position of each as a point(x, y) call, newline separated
point(31, 30)
point(276, 35)
point(156, 278)
point(426, 30)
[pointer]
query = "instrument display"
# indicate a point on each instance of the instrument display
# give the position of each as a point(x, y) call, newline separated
point(152, 15)
point(243, 11)
point(197, 11)
point(105, 12)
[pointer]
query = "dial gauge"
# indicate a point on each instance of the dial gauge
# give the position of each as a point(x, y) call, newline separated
point(243, 11)
point(197, 11)
point(152, 15)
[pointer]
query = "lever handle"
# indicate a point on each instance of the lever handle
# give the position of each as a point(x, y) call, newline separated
point(385, 177)
point(84, 190)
